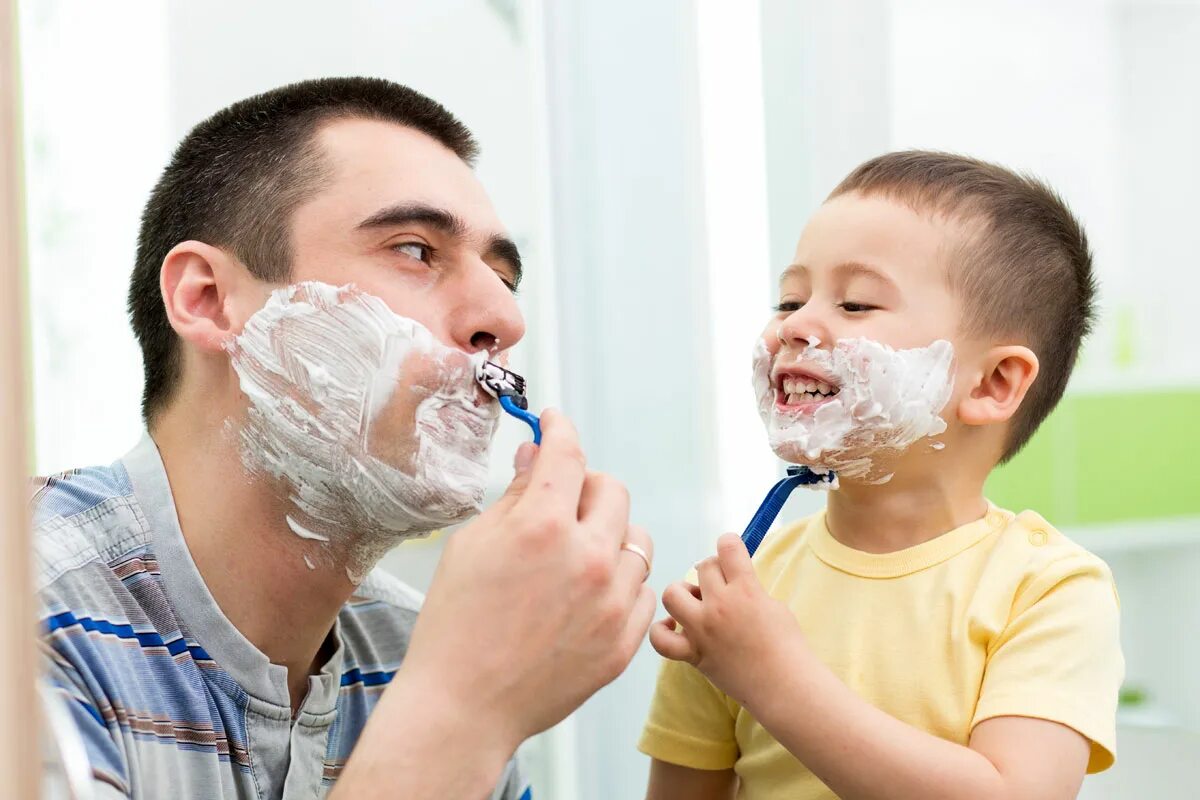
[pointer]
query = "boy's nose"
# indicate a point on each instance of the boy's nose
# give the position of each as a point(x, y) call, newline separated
point(803, 327)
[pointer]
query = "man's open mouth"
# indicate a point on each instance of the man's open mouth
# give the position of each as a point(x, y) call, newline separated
point(801, 389)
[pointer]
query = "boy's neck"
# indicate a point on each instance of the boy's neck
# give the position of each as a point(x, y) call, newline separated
point(902, 513)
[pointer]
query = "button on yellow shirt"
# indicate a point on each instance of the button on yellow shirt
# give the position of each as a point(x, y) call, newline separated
point(1001, 617)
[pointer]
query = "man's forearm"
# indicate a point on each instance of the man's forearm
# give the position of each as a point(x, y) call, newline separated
point(422, 745)
point(863, 753)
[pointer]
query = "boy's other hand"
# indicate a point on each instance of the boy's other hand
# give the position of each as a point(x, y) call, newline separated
point(728, 627)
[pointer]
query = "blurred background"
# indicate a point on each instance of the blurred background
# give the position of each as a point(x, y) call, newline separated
point(656, 162)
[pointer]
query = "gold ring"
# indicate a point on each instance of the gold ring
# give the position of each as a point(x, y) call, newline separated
point(640, 553)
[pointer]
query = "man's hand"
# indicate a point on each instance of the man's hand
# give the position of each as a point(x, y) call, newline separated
point(534, 606)
point(733, 631)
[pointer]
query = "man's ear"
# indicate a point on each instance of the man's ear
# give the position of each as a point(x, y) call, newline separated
point(202, 288)
point(1004, 379)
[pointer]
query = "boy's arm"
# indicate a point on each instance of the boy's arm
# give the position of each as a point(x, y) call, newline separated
point(749, 645)
point(673, 782)
point(862, 752)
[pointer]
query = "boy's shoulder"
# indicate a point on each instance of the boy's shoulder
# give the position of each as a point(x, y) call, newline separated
point(1022, 549)
point(1041, 555)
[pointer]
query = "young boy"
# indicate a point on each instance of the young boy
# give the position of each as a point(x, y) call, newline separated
point(912, 640)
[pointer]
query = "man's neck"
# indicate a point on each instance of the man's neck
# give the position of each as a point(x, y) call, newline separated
point(910, 508)
point(283, 606)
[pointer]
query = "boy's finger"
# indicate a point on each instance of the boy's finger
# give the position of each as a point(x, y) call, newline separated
point(671, 644)
point(556, 478)
point(733, 557)
point(681, 604)
point(710, 577)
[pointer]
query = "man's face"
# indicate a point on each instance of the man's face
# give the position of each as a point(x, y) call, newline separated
point(866, 268)
point(363, 400)
point(404, 219)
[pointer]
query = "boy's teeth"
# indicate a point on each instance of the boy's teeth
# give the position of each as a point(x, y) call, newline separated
point(823, 387)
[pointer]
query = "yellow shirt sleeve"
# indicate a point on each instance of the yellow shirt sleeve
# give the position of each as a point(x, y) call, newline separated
point(691, 722)
point(1059, 657)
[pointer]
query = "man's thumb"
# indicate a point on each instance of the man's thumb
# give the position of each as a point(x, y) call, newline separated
point(523, 468)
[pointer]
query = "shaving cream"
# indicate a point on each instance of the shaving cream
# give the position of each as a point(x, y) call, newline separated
point(887, 400)
point(376, 431)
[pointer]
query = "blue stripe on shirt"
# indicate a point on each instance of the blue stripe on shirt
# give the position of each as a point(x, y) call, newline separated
point(175, 646)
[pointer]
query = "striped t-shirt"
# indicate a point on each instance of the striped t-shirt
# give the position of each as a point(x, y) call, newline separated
point(170, 698)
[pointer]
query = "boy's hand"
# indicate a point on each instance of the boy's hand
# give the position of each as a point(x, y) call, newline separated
point(733, 631)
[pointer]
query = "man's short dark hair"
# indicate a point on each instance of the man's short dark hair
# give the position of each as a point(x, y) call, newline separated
point(234, 182)
point(1024, 270)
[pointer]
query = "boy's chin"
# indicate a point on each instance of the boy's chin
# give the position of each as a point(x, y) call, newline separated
point(862, 467)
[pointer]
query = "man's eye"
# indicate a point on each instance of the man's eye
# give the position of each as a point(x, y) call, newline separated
point(788, 307)
point(421, 252)
point(856, 308)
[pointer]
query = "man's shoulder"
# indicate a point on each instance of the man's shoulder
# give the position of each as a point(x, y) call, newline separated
point(82, 517)
point(378, 619)
point(382, 587)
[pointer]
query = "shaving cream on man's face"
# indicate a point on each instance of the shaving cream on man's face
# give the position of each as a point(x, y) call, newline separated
point(377, 430)
point(846, 409)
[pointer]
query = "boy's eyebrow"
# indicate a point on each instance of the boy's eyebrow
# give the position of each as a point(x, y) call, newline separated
point(847, 269)
point(853, 269)
point(498, 247)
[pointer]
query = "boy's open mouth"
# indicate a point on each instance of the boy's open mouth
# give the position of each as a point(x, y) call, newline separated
point(799, 390)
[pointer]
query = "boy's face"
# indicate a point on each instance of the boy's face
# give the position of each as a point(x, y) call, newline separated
point(866, 268)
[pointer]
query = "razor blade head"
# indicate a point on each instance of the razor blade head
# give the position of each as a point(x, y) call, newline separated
point(500, 382)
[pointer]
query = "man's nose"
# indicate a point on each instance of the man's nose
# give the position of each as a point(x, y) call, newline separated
point(487, 316)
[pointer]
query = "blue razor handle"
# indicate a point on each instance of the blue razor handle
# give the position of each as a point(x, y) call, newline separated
point(762, 520)
point(509, 388)
point(517, 406)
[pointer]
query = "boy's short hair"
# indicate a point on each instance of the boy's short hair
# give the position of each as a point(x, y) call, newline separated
point(234, 182)
point(1024, 270)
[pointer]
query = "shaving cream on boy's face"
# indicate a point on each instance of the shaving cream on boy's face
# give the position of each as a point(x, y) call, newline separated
point(846, 408)
point(377, 431)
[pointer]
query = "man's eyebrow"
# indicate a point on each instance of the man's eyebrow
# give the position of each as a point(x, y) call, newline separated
point(505, 249)
point(434, 217)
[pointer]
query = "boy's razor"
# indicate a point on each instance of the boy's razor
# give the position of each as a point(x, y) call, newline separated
point(509, 388)
point(761, 522)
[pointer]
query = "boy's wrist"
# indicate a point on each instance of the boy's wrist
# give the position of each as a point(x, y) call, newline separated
point(784, 675)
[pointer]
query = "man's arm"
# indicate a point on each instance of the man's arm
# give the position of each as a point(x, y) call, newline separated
point(533, 608)
point(673, 782)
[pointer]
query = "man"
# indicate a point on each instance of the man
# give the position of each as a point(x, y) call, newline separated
point(320, 262)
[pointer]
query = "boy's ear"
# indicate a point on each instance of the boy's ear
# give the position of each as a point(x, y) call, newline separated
point(1005, 376)
point(207, 293)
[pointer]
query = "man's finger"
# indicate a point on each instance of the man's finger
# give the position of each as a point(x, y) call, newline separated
point(632, 571)
point(556, 478)
point(670, 643)
point(734, 558)
point(522, 472)
point(639, 620)
point(604, 507)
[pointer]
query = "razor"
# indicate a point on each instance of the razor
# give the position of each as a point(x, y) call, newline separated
point(509, 388)
point(772, 504)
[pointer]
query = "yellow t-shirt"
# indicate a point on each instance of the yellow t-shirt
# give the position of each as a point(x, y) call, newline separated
point(1001, 617)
